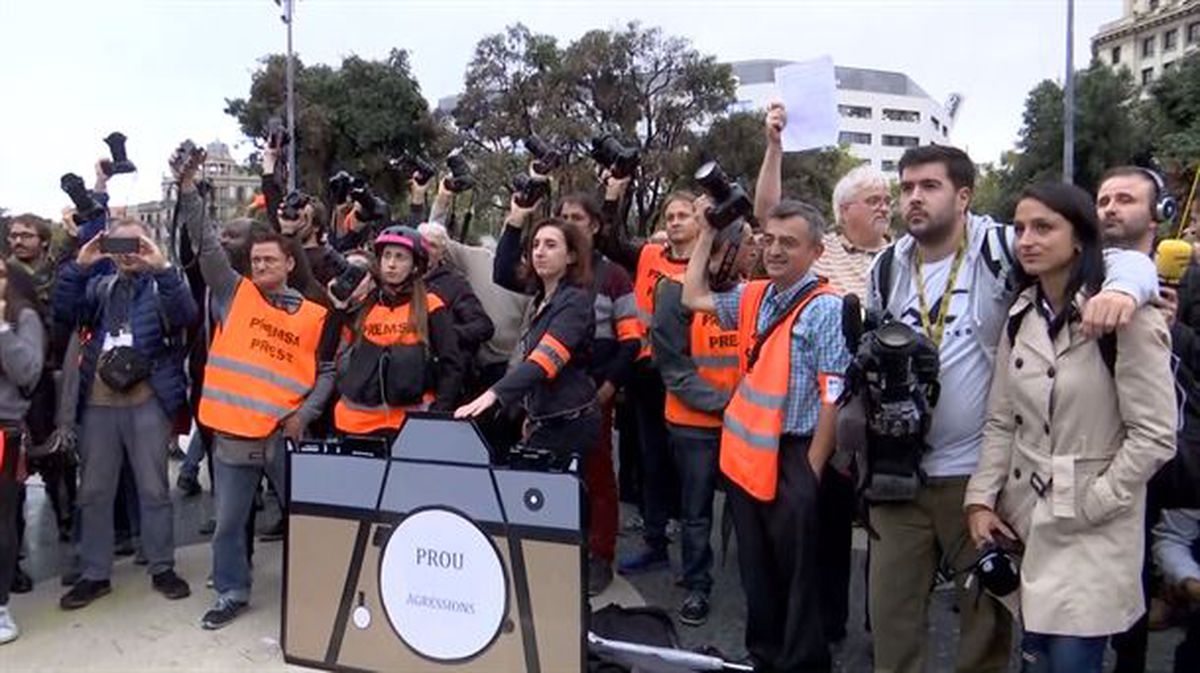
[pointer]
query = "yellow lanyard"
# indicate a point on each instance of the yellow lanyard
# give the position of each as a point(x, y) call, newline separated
point(935, 331)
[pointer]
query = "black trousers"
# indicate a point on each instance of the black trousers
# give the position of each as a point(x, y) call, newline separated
point(9, 514)
point(779, 562)
point(835, 504)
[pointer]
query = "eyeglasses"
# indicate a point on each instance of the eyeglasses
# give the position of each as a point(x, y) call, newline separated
point(21, 235)
point(876, 200)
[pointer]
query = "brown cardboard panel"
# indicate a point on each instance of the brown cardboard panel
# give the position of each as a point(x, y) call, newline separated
point(318, 560)
point(554, 592)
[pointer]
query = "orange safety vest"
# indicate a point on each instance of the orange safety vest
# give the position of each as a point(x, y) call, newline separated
point(654, 263)
point(715, 352)
point(261, 365)
point(754, 417)
point(384, 326)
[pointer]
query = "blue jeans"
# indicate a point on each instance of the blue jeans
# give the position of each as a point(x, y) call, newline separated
point(235, 486)
point(696, 460)
point(195, 454)
point(1044, 653)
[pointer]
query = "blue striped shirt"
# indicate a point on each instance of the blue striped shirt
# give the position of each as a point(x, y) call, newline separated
point(818, 347)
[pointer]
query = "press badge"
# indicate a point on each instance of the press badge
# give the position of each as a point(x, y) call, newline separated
point(122, 338)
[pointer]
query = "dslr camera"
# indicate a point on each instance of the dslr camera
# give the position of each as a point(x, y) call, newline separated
point(371, 207)
point(622, 161)
point(277, 135)
point(529, 189)
point(339, 187)
point(895, 376)
point(548, 158)
point(460, 179)
point(412, 163)
point(347, 281)
point(730, 202)
point(292, 204)
point(120, 162)
point(86, 207)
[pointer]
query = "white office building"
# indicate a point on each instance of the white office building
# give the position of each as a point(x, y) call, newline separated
point(882, 113)
point(1150, 38)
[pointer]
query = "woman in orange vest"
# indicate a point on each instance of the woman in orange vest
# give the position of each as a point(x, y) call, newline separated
point(402, 352)
point(552, 381)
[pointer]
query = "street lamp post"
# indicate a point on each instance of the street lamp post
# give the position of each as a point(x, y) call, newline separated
point(288, 15)
point(1069, 100)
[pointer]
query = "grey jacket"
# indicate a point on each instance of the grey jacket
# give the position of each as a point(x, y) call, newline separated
point(22, 353)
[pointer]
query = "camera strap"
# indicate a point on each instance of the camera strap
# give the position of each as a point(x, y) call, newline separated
point(760, 339)
point(933, 330)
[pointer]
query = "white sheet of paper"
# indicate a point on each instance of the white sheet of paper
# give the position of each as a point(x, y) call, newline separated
point(809, 92)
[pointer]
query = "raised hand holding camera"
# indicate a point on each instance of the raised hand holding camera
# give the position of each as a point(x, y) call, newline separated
point(460, 178)
point(120, 162)
point(86, 207)
point(185, 161)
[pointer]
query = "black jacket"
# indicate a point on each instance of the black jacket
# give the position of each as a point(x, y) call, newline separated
point(567, 319)
point(471, 322)
point(1185, 340)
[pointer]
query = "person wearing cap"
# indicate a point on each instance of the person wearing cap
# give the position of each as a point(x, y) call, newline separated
point(401, 351)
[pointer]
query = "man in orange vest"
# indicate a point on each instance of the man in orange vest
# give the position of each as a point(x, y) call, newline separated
point(779, 428)
point(268, 375)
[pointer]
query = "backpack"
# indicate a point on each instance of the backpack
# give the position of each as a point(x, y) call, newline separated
point(1107, 342)
point(104, 290)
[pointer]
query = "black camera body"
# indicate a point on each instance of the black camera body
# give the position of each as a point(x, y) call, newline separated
point(86, 207)
point(460, 179)
point(119, 245)
point(371, 207)
point(292, 204)
point(277, 135)
point(548, 157)
point(999, 568)
point(529, 189)
point(730, 201)
point(120, 162)
point(349, 279)
point(895, 371)
point(622, 161)
point(339, 187)
point(412, 163)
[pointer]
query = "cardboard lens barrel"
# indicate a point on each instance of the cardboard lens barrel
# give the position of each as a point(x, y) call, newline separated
point(429, 559)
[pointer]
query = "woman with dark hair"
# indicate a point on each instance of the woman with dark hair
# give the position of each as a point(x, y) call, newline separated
point(552, 380)
point(22, 353)
point(402, 352)
point(1076, 427)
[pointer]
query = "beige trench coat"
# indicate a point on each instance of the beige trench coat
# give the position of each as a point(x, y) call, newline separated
point(1057, 415)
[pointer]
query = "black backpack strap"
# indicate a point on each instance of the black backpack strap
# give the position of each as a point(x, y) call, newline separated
point(1108, 351)
point(883, 276)
point(1014, 324)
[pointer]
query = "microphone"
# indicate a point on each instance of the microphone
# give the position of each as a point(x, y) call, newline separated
point(1172, 259)
point(852, 322)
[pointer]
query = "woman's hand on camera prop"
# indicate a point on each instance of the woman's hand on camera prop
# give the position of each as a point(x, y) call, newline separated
point(476, 406)
point(702, 204)
point(517, 216)
point(417, 191)
point(983, 524)
point(614, 188)
point(775, 122)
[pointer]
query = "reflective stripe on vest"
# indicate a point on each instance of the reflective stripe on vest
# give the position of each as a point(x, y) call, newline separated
point(384, 326)
point(754, 418)
point(654, 263)
point(261, 365)
point(714, 351)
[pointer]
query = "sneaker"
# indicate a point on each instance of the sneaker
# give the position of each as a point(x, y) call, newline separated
point(694, 609)
point(634, 524)
point(83, 593)
point(673, 528)
point(600, 575)
point(208, 583)
point(124, 547)
point(174, 452)
point(224, 612)
point(171, 585)
point(139, 558)
point(272, 534)
point(188, 483)
point(208, 527)
point(8, 628)
point(644, 560)
point(71, 578)
point(22, 583)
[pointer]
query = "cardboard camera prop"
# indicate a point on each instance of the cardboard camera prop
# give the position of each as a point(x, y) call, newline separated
point(424, 557)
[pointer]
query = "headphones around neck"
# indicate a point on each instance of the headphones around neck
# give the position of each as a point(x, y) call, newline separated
point(1165, 207)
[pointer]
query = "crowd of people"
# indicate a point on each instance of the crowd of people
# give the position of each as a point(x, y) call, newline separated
point(1063, 442)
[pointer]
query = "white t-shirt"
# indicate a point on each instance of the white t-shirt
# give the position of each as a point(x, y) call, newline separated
point(956, 430)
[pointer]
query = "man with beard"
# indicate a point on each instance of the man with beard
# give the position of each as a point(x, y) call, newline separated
point(947, 279)
point(1131, 202)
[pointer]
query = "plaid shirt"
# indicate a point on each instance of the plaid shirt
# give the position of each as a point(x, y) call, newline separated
point(818, 347)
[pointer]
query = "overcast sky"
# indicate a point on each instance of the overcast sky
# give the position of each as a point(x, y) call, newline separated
point(160, 70)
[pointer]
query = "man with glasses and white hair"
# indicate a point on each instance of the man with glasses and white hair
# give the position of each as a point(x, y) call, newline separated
point(862, 208)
